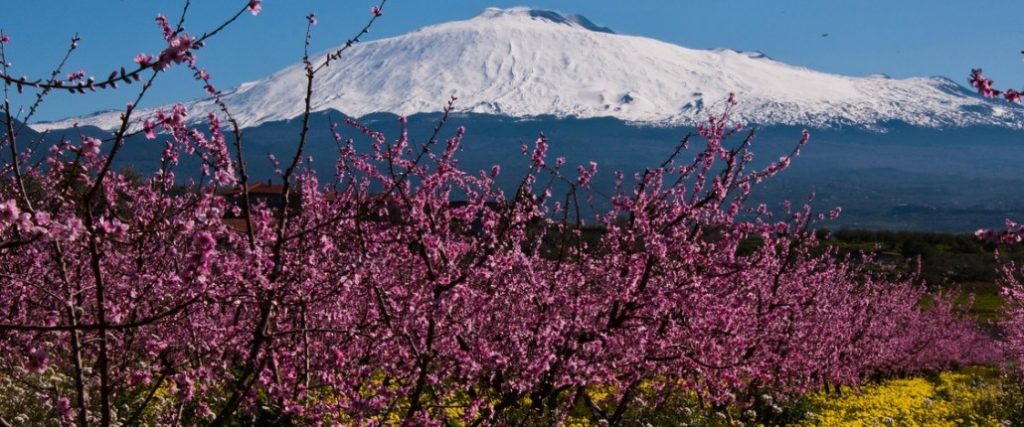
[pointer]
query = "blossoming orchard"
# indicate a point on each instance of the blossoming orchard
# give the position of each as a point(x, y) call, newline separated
point(407, 289)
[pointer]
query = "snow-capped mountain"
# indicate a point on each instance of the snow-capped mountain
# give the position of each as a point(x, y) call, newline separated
point(522, 62)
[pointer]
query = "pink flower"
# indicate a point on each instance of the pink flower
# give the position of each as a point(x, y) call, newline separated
point(111, 227)
point(540, 152)
point(52, 318)
point(376, 11)
point(982, 84)
point(255, 7)
point(586, 174)
point(4, 38)
point(38, 359)
point(311, 18)
point(203, 410)
point(205, 243)
point(149, 129)
point(186, 387)
point(90, 145)
point(143, 59)
point(9, 212)
point(165, 27)
point(64, 407)
point(77, 75)
point(1012, 96)
point(177, 51)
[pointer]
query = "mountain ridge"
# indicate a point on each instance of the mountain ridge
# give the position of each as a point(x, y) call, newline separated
point(523, 62)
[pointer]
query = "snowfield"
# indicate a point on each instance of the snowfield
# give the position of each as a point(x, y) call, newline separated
point(522, 62)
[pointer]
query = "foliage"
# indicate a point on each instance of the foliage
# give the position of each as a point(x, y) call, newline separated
point(951, 260)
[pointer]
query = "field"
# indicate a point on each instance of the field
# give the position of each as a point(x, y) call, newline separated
point(967, 397)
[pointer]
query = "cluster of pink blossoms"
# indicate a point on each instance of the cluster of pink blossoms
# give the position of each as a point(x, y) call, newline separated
point(984, 87)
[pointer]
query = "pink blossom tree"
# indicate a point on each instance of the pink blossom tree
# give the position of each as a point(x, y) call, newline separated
point(1012, 283)
point(408, 290)
point(1012, 234)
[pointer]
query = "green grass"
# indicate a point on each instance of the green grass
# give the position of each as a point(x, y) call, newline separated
point(988, 303)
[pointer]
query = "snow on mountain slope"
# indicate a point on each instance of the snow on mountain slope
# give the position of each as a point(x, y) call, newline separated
point(521, 62)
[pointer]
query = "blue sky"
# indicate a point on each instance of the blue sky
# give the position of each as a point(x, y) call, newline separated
point(900, 38)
